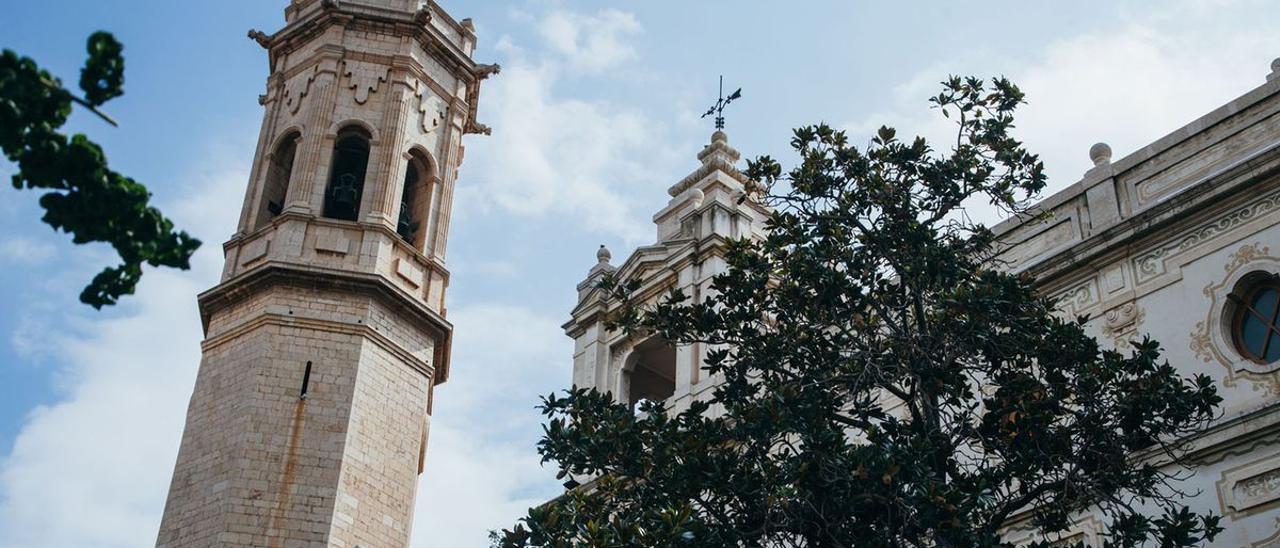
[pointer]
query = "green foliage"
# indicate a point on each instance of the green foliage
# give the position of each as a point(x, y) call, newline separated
point(85, 198)
point(885, 381)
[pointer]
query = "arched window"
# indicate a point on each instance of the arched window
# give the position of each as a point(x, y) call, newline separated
point(1254, 324)
point(276, 187)
point(346, 179)
point(650, 372)
point(415, 201)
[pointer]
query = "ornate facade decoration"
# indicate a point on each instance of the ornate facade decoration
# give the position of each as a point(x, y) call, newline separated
point(431, 110)
point(1211, 340)
point(297, 88)
point(1121, 323)
point(364, 78)
point(1153, 263)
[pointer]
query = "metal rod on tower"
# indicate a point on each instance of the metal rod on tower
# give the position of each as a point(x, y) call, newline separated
point(721, 103)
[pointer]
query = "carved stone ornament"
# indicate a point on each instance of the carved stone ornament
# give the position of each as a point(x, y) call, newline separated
point(364, 79)
point(1249, 488)
point(1212, 340)
point(1121, 323)
point(431, 109)
point(1272, 541)
point(1074, 300)
point(297, 88)
point(1152, 264)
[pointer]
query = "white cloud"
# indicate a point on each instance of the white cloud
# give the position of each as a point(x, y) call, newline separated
point(556, 156)
point(93, 469)
point(482, 471)
point(591, 42)
point(1127, 86)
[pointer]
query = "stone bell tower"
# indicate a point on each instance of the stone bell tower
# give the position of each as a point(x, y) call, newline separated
point(327, 333)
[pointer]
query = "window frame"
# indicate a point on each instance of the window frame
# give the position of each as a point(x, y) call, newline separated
point(1244, 310)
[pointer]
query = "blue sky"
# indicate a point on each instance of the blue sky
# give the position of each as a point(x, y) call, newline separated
point(595, 114)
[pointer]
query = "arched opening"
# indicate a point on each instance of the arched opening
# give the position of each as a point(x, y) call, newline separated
point(650, 372)
point(346, 178)
point(276, 187)
point(415, 201)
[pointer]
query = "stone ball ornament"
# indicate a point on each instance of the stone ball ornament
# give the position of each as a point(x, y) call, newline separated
point(1100, 153)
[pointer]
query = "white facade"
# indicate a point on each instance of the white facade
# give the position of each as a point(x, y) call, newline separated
point(705, 212)
point(1157, 243)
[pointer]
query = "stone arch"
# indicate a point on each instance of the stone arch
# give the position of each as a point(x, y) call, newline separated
point(348, 169)
point(415, 216)
point(279, 172)
point(648, 372)
point(343, 125)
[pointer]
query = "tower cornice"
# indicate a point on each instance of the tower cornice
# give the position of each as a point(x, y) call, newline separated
point(281, 273)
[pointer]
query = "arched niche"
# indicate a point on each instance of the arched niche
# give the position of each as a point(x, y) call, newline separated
point(414, 214)
point(649, 372)
point(275, 186)
point(348, 169)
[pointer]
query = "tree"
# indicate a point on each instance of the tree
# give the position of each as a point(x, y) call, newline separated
point(85, 198)
point(885, 382)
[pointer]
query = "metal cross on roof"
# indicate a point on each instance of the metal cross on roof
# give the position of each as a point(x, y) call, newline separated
point(718, 108)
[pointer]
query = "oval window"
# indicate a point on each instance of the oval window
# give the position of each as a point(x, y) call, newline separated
point(1256, 333)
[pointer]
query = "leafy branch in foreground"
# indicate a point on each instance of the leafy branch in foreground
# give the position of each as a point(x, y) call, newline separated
point(85, 198)
point(885, 382)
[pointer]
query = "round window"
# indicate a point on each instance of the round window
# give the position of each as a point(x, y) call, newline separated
point(1256, 333)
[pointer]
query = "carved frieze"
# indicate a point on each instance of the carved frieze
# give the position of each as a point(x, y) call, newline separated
point(1154, 263)
point(1074, 300)
point(1243, 490)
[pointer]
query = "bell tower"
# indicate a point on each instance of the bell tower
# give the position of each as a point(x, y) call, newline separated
point(326, 335)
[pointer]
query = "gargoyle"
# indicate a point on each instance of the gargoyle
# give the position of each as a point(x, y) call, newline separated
point(422, 16)
point(263, 39)
point(484, 71)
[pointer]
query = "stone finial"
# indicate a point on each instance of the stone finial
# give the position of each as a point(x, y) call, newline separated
point(1100, 153)
point(697, 196)
point(720, 137)
point(1275, 69)
point(603, 255)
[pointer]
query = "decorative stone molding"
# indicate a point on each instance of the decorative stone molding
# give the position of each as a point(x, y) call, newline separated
point(297, 88)
point(364, 78)
point(254, 250)
point(431, 109)
point(1212, 341)
point(1243, 489)
point(717, 156)
point(1272, 541)
point(1074, 300)
point(1121, 323)
point(1153, 264)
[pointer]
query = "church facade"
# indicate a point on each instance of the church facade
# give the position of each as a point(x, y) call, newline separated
point(1179, 240)
point(326, 336)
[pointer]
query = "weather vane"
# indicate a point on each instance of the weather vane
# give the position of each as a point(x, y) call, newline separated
point(722, 102)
